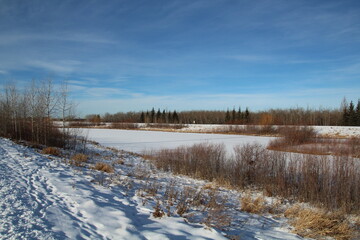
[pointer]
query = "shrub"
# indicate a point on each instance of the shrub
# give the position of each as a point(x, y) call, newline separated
point(51, 151)
point(293, 136)
point(124, 126)
point(79, 159)
point(250, 205)
point(314, 223)
point(158, 213)
point(104, 167)
point(307, 178)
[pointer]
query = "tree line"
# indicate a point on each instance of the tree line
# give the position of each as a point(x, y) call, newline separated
point(27, 113)
point(347, 115)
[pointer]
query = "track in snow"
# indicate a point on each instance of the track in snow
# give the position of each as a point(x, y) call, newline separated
point(43, 199)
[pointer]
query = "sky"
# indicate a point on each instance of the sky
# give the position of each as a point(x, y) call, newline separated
point(119, 56)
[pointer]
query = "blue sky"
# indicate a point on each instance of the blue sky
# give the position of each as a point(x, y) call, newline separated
point(184, 55)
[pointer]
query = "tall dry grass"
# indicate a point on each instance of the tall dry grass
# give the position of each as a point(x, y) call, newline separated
point(329, 182)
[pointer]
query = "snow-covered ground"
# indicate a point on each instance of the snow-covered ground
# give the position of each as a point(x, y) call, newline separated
point(333, 131)
point(140, 141)
point(43, 198)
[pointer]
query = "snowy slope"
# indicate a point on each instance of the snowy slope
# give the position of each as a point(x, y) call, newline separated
point(43, 199)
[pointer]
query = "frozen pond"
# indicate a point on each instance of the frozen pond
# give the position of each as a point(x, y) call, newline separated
point(140, 141)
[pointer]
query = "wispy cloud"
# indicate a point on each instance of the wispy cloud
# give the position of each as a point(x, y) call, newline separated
point(12, 38)
point(254, 58)
point(63, 66)
point(278, 59)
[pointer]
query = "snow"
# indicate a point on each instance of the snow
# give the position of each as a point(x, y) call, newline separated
point(338, 131)
point(334, 131)
point(41, 197)
point(141, 141)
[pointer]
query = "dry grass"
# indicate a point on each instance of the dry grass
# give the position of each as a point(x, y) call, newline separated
point(307, 178)
point(124, 126)
point(293, 136)
point(262, 130)
point(51, 151)
point(165, 126)
point(104, 167)
point(251, 205)
point(79, 159)
point(119, 161)
point(315, 223)
point(158, 213)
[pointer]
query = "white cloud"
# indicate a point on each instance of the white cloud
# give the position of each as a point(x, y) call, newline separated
point(63, 66)
point(253, 58)
point(11, 38)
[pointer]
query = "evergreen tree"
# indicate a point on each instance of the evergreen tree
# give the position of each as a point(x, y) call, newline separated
point(358, 113)
point(158, 116)
point(163, 117)
point(169, 117)
point(233, 115)
point(175, 117)
point(142, 117)
point(227, 116)
point(152, 115)
point(352, 114)
point(239, 115)
point(247, 115)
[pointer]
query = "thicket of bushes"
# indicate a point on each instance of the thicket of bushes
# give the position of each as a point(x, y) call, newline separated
point(329, 182)
point(26, 114)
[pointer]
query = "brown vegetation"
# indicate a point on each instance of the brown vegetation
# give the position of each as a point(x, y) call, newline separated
point(248, 204)
point(304, 140)
point(131, 126)
point(302, 177)
point(104, 167)
point(315, 223)
point(51, 151)
point(27, 115)
point(158, 212)
point(79, 159)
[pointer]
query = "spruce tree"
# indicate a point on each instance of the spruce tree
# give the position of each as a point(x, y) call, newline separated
point(352, 115)
point(239, 115)
point(233, 115)
point(227, 116)
point(169, 117)
point(158, 116)
point(152, 115)
point(175, 117)
point(142, 117)
point(358, 113)
point(163, 117)
point(247, 115)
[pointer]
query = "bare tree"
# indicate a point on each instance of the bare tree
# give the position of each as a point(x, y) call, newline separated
point(66, 107)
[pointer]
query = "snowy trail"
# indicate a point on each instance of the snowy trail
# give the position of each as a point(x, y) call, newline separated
point(22, 205)
point(43, 199)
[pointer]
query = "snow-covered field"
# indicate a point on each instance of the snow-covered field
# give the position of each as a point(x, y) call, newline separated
point(43, 198)
point(140, 141)
point(333, 131)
